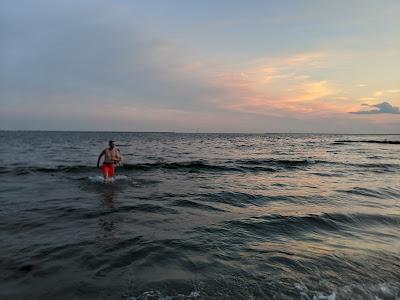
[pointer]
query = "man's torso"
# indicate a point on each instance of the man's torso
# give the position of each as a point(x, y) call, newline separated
point(110, 155)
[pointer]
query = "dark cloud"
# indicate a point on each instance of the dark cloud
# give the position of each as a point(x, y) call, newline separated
point(380, 108)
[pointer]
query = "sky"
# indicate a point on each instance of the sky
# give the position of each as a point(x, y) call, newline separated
point(200, 66)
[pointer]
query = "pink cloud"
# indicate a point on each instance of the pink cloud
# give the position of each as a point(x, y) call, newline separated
point(277, 88)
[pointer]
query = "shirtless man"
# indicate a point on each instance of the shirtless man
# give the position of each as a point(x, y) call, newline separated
point(112, 155)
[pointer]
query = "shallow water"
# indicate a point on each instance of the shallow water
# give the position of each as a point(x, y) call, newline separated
point(200, 216)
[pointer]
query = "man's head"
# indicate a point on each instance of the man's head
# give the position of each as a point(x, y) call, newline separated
point(111, 144)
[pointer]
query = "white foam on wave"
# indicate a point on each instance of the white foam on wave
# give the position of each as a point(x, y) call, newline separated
point(386, 290)
point(306, 294)
point(325, 297)
point(121, 177)
point(150, 295)
point(96, 178)
point(379, 291)
point(100, 179)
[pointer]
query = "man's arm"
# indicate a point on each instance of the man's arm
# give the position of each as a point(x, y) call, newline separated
point(119, 156)
point(98, 160)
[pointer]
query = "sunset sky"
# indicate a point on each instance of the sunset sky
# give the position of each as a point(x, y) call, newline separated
point(200, 66)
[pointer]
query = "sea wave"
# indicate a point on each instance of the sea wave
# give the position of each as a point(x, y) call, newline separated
point(195, 165)
point(365, 291)
point(241, 199)
point(377, 167)
point(154, 294)
point(231, 165)
point(196, 205)
point(341, 142)
point(266, 165)
point(380, 193)
point(289, 225)
point(281, 162)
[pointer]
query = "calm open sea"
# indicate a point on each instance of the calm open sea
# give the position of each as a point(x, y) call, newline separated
point(200, 216)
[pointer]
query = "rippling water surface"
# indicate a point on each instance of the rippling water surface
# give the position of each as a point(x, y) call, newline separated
point(200, 216)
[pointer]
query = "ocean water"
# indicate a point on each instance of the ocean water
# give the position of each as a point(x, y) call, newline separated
point(200, 216)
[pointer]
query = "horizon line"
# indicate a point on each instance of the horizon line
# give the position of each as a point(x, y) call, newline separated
point(189, 132)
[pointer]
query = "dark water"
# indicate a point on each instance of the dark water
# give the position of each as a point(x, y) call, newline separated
point(200, 216)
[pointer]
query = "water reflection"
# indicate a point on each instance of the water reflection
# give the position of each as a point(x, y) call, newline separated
point(107, 221)
point(109, 196)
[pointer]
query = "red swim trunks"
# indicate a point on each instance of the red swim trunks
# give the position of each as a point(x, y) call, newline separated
point(108, 170)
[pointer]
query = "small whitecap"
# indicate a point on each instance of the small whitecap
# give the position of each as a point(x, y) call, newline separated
point(325, 297)
point(96, 178)
point(120, 177)
point(100, 179)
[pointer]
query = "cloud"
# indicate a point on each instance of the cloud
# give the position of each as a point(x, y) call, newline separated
point(312, 91)
point(278, 86)
point(102, 56)
point(380, 108)
point(378, 94)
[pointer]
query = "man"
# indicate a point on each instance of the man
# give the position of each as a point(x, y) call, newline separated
point(111, 156)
